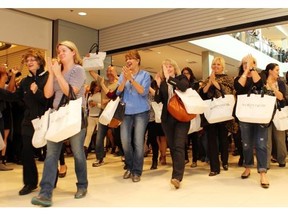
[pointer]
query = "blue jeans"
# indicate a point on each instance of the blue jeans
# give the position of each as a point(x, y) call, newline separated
point(134, 152)
point(99, 145)
point(254, 134)
point(51, 164)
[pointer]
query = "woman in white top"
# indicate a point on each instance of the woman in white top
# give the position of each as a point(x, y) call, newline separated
point(94, 109)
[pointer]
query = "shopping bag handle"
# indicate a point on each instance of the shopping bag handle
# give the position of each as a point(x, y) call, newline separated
point(65, 99)
point(95, 45)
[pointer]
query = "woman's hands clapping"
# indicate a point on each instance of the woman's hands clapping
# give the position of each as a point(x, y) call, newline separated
point(54, 67)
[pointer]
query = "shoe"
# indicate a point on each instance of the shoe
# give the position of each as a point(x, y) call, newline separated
point(186, 162)
point(125, 167)
point(282, 165)
point(98, 163)
point(27, 189)
point(213, 173)
point(136, 178)
point(62, 174)
point(81, 192)
point(273, 160)
point(42, 201)
point(194, 164)
point(4, 167)
point(225, 167)
point(265, 185)
point(154, 165)
point(244, 175)
point(176, 183)
point(127, 174)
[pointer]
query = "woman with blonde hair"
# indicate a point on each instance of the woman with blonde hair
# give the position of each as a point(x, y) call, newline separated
point(68, 72)
point(174, 130)
point(254, 136)
point(217, 133)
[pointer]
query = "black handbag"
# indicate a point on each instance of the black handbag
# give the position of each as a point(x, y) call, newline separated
point(65, 100)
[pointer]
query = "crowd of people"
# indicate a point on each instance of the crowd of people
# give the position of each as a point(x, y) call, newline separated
point(49, 81)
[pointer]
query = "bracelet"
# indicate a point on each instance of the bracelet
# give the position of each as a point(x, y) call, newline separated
point(244, 76)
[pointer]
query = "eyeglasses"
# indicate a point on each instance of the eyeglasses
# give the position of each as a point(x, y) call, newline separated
point(29, 60)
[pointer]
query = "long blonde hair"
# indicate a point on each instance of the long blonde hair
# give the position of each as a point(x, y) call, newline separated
point(72, 47)
point(173, 63)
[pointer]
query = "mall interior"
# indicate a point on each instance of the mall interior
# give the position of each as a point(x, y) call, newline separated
point(190, 36)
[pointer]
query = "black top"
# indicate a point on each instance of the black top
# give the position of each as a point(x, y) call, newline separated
point(161, 95)
point(35, 104)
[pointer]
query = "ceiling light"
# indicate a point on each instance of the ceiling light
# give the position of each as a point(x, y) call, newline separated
point(82, 13)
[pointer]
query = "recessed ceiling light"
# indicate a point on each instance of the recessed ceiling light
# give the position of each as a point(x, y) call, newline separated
point(82, 13)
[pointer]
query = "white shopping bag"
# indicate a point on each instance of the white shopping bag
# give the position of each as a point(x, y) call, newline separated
point(157, 107)
point(108, 113)
point(255, 108)
point(2, 144)
point(40, 129)
point(195, 124)
point(192, 101)
point(220, 109)
point(95, 61)
point(280, 119)
point(65, 122)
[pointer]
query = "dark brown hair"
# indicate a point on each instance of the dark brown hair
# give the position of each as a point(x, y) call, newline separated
point(37, 55)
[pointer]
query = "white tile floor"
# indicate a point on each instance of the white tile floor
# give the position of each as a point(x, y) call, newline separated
point(107, 188)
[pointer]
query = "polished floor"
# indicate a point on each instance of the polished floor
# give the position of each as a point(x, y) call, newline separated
point(108, 189)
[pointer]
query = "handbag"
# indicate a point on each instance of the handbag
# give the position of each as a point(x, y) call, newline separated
point(280, 119)
point(95, 61)
point(40, 129)
point(118, 115)
point(192, 101)
point(66, 121)
point(157, 107)
point(255, 108)
point(177, 109)
point(220, 109)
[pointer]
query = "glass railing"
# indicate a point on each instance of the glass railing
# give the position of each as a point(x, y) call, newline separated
point(267, 47)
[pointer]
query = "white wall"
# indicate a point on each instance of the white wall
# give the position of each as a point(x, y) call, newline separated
point(23, 29)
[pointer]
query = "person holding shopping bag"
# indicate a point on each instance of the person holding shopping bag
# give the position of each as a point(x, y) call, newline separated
point(217, 133)
point(68, 71)
point(253, 135)
point(31, 91)
point(276, 87)
point(174, 130)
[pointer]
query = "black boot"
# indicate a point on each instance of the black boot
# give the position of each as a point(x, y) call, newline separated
point(154, 165)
